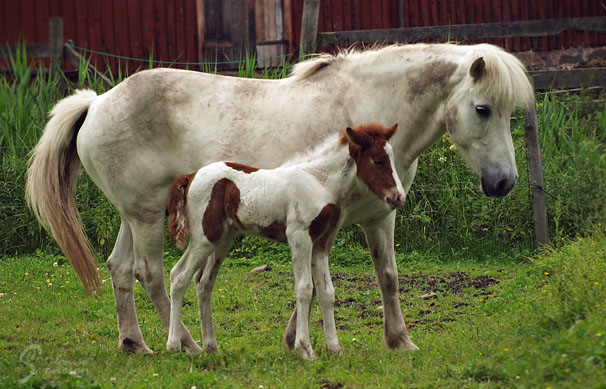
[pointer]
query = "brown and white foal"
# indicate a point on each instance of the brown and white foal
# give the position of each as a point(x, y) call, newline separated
point(303, 202)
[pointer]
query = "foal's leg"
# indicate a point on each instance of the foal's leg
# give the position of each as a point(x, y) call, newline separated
point(301, 250)
point(149, 270)
point(181, 274)
point(379, 237)
point(120, 264)
point(205, 282)
point(326, 297)
point(291, 329)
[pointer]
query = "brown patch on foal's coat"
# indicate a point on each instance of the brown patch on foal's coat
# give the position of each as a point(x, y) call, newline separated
point(224, 202)
point(275, 231)
point(323, 225)
point(241, 167)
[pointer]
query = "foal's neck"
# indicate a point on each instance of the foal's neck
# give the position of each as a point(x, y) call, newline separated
point(332, 166)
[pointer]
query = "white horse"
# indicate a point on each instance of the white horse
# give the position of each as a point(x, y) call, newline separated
point(138, 137)
point(303, 202)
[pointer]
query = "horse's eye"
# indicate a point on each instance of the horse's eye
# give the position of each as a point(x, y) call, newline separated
point(377, 162)
point(483, 110)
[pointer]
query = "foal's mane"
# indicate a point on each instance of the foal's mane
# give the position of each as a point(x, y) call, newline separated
point(334, 142)
point(505, 77)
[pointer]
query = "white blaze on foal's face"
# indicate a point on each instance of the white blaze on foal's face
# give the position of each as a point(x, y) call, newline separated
point(369, 147)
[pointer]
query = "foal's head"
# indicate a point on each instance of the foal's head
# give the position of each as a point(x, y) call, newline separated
point(369, 148)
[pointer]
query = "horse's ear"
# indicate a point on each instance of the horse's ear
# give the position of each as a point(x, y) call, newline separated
point(477, 68)
point(390, 131)
point(357, 137)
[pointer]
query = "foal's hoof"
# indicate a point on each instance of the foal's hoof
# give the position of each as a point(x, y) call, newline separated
point(190, 346)
point(129, 346)
point(305, 351)
point(173, 346)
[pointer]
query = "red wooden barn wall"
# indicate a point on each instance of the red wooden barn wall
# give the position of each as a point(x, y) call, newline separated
point(344, 15)
point(132, 28)
point(167, 29)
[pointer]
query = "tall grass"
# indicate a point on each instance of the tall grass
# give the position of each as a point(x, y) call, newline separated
point(445, 211)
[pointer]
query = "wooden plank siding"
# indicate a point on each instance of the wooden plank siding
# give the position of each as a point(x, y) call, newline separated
point(158, 29)
point(168, 30)
point(347, 15)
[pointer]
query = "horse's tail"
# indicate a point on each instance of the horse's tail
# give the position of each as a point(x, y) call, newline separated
point(177, 215)
point(51, 184)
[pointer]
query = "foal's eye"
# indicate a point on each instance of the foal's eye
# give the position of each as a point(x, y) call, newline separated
point(483, 110)
point(377, 162)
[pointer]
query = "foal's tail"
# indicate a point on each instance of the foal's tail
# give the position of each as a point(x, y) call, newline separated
point(51, 184)
point(177, 215)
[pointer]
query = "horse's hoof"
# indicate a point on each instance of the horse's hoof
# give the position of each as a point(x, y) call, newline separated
point(211, 349)
point(335, 349)
point(129, 346)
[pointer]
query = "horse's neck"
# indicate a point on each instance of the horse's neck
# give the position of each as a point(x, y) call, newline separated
point(417, 80)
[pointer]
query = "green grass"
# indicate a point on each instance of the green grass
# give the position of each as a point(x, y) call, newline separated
point(538, 322)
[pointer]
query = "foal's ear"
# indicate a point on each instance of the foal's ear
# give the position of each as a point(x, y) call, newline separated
point(390, 131)
point(357, 137)
point(477, 68)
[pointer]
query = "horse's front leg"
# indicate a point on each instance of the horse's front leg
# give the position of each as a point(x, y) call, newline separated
point(301, 250)
point(379, 237)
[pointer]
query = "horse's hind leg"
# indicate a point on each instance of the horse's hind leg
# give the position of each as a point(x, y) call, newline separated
point(148, 239)
point(181, 274)
point(120, 264)
point(205, 282)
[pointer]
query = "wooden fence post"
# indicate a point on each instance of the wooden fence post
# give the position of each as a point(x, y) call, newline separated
point(537, 185)
point(55, 46)
point(309, 27)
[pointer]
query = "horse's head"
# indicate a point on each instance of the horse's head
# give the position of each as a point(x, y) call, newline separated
point(478, 111)
point(373, 155)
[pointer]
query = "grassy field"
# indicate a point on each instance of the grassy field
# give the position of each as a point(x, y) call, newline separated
point(537, 322)
point(503, 314)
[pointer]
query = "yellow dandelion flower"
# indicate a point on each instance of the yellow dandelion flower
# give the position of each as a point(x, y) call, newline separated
point(598, 334)
point(26, 273)
point(59, 294)
point(37, 287)
point(505, 349)
point(546, 273)
point(94, 341)
point(47, 280)
point(67, 282)
point(596, 283)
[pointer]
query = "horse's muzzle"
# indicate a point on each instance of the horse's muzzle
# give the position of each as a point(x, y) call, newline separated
point(497, 185)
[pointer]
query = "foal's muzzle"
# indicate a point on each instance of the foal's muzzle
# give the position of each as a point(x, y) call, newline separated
point(394, 200)
point(497, 184)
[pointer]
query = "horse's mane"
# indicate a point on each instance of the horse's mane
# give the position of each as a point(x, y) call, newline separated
point(505, 78)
